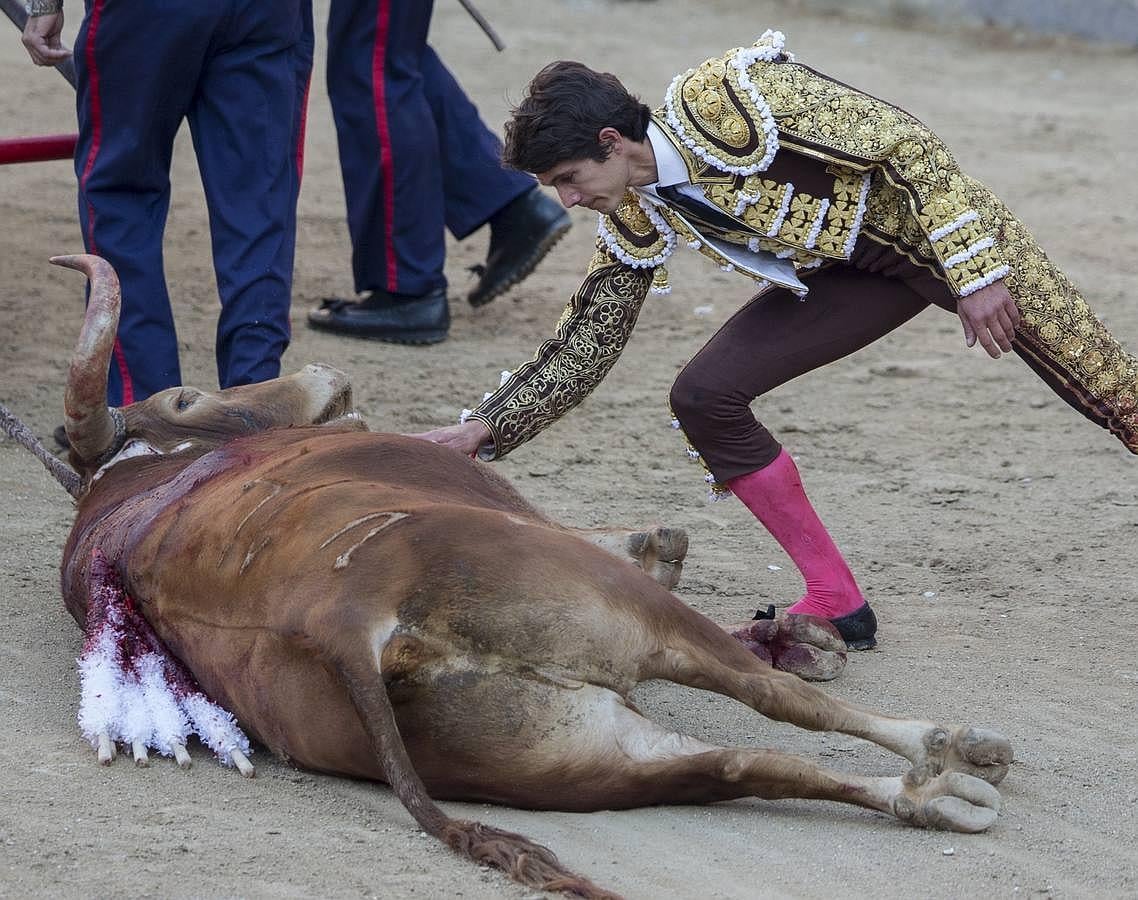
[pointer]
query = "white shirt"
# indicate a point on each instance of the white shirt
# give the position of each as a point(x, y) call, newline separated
point(671, 170)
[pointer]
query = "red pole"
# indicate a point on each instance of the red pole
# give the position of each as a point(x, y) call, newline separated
point(37, 149)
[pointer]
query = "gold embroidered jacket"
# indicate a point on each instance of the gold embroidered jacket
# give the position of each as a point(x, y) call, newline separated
point(734, 119)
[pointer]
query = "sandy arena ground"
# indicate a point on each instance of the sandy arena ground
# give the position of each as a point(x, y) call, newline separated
point(993, 528)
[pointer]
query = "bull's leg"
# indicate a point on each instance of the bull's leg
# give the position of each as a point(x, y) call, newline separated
point(933, 749)
point(659, 551)
point(583, 748)
point(523, 860)
point(807, 646)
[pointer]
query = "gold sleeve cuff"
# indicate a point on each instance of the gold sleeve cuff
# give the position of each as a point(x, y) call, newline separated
point(963, 246)
point(961, 238)
point(488, 451)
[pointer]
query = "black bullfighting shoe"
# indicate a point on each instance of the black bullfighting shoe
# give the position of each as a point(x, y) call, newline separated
point(381, 316)
point(520, 236)
point(858, 629)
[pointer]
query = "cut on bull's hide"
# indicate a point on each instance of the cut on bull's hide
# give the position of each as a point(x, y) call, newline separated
point(381, 607)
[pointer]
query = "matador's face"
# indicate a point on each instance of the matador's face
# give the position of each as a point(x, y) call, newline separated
point(596, 185)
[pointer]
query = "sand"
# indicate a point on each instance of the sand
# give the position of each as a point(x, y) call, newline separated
point(993, 528)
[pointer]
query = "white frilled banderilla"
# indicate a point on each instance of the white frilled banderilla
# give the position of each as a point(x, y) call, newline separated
point(135, 692)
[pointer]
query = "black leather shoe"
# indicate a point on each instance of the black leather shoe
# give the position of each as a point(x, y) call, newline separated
point(381, 316)
point(858, 629)
point(520, 236)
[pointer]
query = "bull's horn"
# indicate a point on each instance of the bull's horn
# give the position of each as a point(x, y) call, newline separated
point(91, 428)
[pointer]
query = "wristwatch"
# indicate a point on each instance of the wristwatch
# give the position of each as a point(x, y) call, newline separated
point(43, 7)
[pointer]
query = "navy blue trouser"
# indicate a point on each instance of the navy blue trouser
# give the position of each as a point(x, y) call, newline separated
point(238, 70)
point(415, 156)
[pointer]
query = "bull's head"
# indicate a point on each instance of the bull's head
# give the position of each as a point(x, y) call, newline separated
point(179, 419)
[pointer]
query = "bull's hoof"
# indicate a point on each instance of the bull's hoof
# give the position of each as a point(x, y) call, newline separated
point(660, 552)
point(949, 802)
point(806, 646)
point(979, 752)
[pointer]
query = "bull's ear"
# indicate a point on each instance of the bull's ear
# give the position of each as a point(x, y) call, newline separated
point(92, 430)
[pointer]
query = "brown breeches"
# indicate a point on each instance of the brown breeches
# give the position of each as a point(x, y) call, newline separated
point(777, 337)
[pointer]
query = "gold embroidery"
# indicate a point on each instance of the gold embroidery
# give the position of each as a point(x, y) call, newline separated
point(630, 235)
point(714, 110)
point(762, 196)
point(800, 219)
point(1101, 377)
point(918, 202)
point(887, 213)
point(834, 122)
point(590, 337)
point(841, 218)
point(764, 214)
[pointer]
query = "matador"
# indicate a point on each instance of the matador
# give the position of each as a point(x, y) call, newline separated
point(852, 217)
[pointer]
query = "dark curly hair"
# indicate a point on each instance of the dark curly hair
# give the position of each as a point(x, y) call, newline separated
point(565, 107)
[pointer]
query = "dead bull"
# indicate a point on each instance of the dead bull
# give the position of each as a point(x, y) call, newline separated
point(380, 607)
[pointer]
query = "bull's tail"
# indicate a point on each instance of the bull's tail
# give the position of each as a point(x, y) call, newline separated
point(22, 435)
point(531, 864)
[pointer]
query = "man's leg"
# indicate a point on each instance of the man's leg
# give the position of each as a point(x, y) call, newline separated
point(246, 121)
point(475, 183)
point(390, 160)
point(129, 110)
point(773, 339)
point(525, 223)
point(389, 153)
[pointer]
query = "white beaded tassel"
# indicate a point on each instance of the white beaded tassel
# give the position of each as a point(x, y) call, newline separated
point(133, 690)
point(219, 731)
point(100, 691)
point(170, 726)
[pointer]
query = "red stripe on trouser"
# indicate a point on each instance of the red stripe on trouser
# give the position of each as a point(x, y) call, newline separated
point(96, 113)
point(378, 61)
point(300, 135)
point(124, 373)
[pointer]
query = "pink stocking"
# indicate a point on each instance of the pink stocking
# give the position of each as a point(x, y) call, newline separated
point(775, 496)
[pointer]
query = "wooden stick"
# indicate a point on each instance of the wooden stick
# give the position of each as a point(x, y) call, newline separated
point(22, 435)
point(484, 25)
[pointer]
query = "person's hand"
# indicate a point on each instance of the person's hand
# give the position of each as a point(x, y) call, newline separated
point(41, 38)
point(465, 438)
point(991, 317)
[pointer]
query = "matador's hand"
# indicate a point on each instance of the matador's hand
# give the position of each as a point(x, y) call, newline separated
point(465, 438)
point(991, 317)
point(41, 39)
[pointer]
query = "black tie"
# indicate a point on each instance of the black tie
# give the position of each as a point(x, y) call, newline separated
point(702, 213)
